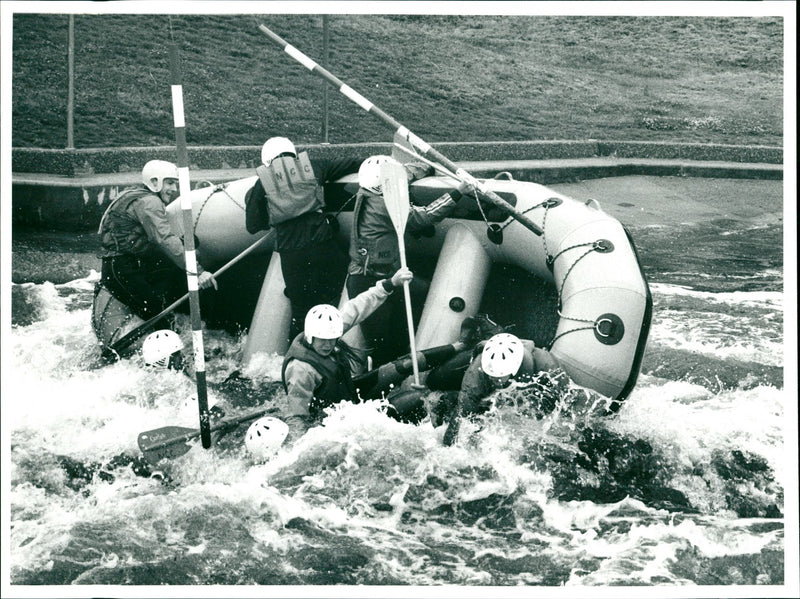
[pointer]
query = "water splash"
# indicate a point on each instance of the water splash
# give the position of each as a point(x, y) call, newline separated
point(683, 486)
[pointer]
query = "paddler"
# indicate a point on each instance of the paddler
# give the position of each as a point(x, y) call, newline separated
point(318, 367)
point(504, 359)
point(288, 195)
point(374, 252)
point(143, 261)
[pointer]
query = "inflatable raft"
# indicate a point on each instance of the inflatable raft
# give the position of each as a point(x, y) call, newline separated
point(578, 289)
point(111, 319)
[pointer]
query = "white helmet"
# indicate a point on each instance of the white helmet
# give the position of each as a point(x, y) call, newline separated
point(158, 170)
point(502, 355)
point(159, 347)
point(324, 322)
point(274, 147)
point(369, 173)
point(265, 436)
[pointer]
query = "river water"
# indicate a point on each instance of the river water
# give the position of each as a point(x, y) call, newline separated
point(684, 490)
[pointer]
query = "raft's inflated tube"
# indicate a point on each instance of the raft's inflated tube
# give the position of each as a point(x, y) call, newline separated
point(407, 406)
point(456, 287)
point(218, 214)
point(272, 316)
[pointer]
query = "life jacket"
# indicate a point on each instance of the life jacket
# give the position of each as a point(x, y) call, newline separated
point(336, 385)
point(377, 255)
point(120, 231)
point(290, 187)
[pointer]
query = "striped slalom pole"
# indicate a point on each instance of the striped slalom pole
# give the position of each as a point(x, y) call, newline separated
point(399, 129)
point(188, 243)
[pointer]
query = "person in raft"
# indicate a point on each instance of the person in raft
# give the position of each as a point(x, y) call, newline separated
point(504, 358)
point(143, 261)
point(318, 366)
point(374, 252)
point(288, 195)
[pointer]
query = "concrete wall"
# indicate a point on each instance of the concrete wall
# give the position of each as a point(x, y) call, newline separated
point(123, 160)
point(69, 190)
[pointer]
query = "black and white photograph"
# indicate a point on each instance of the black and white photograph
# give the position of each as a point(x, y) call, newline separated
point(399, 299)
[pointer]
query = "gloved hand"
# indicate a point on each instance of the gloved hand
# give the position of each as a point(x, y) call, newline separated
point(205, 280)
point(465, 188)
point(401, 276)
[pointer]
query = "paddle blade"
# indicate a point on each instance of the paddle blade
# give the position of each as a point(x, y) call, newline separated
point(165, 443)
point(394, 184)
point(402, 149)
point(170, 441)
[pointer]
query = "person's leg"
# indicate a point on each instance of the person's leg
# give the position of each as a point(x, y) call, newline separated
point(407, 405)
point(167, 280)
point(328, 272)
point(128, 280)
point(312, 276)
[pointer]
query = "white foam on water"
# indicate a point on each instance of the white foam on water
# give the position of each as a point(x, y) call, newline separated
point(770, 299)
point(752, 331)
point(336, 476)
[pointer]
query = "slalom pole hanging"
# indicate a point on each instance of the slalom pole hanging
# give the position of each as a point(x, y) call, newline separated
point(188, 242)
point(401, 131)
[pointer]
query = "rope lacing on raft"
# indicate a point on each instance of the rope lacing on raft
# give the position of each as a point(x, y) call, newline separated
point(549, 203)
point(215, 188)
point(601, 245)
point(344, 205)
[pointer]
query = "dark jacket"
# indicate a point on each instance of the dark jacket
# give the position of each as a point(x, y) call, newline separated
point(374, 249)
point(305, 230)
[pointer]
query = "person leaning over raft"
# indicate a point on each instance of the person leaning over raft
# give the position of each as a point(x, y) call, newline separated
point(288, 196)
point(374, 252)
point(504, 358)
point(318, 366)
point(143, 261)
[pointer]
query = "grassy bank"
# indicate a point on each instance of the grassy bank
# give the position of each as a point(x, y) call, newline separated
point(447, 78)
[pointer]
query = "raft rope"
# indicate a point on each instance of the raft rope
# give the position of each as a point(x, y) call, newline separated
point(344, 205)
point(594, 246)
point(216, 188)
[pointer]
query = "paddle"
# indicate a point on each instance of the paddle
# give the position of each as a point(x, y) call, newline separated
point(394, 185)
point(170, 441)
point(127, 340)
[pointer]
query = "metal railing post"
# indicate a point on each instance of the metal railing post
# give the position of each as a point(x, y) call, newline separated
point(71, 84)
point(325, 55)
